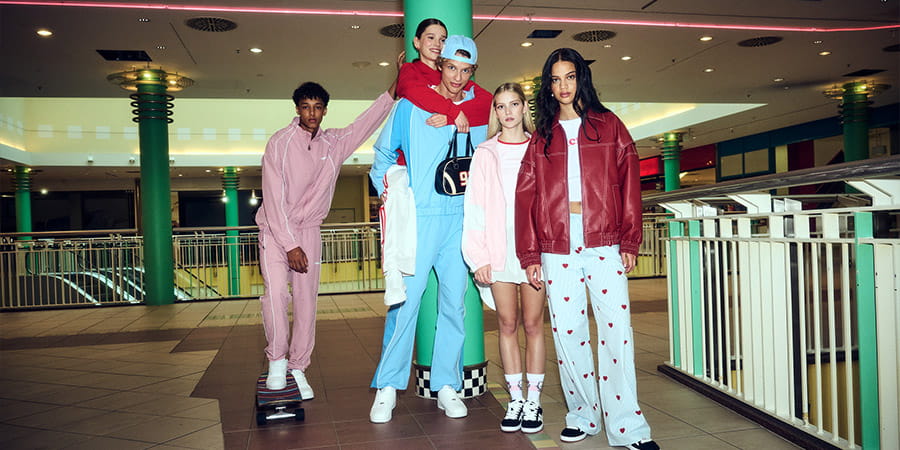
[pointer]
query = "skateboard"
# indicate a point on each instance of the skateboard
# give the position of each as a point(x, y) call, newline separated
point(278, 404)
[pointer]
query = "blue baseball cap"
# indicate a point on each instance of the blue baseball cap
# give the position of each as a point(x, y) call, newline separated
point(456, 43)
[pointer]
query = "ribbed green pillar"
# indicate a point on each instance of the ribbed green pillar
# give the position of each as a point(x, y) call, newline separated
point(230, 184)
point(696, 299)
point(671, 155)
point(22, 183)
point(854, 116)
point(868, 341)
point(153, 105)
point(457, 15)
point(676, 230)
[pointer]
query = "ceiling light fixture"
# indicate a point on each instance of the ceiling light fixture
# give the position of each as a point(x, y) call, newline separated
point(160, 47)
point(144, 19)
point(607, 45)
point(706, 38)
point(354, 27)
point(526, 44)
point(817, 41)
point(824, 53)
point(43, 32)
point(384, 64)
point(398, 14)
point(778, 80)
point(709, 69)
point(255, 50)
point(626, 58)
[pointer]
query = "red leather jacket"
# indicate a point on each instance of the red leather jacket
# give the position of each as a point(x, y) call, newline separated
point(610, 191)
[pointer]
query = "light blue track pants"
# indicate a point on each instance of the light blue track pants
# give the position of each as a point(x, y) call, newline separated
point(437, 246)
point(610, 387)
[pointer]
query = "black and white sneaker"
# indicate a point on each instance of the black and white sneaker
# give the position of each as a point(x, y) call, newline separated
point(512, 421)
point(644, 444)
point(572, 435)
point(532, 417)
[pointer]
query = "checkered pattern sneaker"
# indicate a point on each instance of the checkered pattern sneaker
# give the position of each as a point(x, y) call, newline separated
point(512, 421)
point(644, 444)
point(532, 417)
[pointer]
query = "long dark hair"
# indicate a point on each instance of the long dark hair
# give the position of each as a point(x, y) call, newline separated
point(586, 98)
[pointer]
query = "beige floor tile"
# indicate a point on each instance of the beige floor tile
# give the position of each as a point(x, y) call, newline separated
point(162, 429)
point(107, 423)
point(107, 443)
point(11, 409)
point(207, 438)
point(704, 442)
point(169, 405)
point(178, 387)
point(122, 400)
point(755, 439)
point(714, 419)
point(46, 439)
point(56, 417)
point(664, 426)
point(114, 381)
point(209, 411)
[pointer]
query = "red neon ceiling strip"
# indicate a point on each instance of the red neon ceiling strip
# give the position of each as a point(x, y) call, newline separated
point(327, 12)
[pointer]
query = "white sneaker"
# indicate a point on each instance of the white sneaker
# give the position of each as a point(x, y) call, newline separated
point(306, 392)
point(449, 401)
point(277, 378)
point(383, 407)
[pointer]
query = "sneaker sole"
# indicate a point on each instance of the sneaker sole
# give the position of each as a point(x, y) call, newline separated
point(573, 439)
point(510, 429)
point(534, 430)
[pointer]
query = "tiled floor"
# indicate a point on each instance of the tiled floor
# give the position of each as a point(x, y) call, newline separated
point(183, 376)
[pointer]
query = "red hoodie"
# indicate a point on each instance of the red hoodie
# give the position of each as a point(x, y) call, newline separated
point(414, 83)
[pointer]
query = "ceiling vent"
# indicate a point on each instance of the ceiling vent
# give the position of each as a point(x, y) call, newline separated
point(544, 34)
point(210, 24)
point(760, 41)
point(594, 36)
point(892, 48)
point(394, 30)
point(124, 55)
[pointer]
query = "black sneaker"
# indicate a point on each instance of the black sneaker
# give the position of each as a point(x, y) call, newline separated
point(532, 418)
point(512, 421)
point(644, 444)
point(572, 435)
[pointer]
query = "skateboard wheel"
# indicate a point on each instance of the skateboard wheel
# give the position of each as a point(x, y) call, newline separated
point(261, 418)
point(299, 414)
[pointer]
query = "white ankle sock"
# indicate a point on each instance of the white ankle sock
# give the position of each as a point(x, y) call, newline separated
point(535, 386)
point(514, 385)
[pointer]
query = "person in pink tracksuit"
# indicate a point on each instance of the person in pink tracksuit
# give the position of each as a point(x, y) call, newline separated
point(299, 170)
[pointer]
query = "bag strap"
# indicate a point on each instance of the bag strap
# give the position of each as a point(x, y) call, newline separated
point(451, 151)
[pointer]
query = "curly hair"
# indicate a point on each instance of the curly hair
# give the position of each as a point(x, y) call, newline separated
point(310, 91)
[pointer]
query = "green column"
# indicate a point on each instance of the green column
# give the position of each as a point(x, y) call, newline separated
point(676, 230)
point(854, 115)
point(22, 183)
point(230, 184)
point(153, 105)
point(868, 341)
point(671, 154)
point(457, 15)
point(696, 298)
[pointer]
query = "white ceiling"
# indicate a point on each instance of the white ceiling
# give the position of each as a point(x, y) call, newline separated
point(667, 64)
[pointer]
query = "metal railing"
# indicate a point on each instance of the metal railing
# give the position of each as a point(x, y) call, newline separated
point(63, 269)
point(793, 311)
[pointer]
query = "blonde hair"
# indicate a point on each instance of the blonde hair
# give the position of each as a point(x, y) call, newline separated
point(494, 121)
